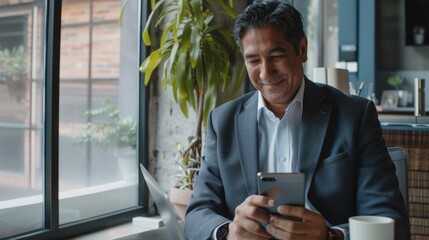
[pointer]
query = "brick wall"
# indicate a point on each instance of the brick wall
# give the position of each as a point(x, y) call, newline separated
point(75, 34)
point(167, 125)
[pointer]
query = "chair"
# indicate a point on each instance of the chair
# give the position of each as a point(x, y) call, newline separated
point(336, 77)
point(399, 157)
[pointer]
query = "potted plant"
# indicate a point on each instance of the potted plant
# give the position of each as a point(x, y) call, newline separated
point(196, 56)
point(419, 34)
point(107, 128)
point(13, 71)
point(396, 81)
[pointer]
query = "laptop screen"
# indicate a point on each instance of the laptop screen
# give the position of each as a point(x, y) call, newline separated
point(166, 210)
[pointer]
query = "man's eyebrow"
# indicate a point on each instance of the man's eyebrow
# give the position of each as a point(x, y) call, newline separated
point(278, 50)
point(274, 50)
point(249, 55)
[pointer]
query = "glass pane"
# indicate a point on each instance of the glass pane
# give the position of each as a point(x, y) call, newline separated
point(321, 27)
point(76, 12)
point(98, 109)
point(330, 58)
point(22, 28)
point(105, 50)
point(74, 52)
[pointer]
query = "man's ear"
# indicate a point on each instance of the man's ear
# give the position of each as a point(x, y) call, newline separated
point(303, 49)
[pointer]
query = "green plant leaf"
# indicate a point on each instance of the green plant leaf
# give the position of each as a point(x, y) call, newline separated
point(238, 81)
point(395, 81)
point(197, 12)
point(210, 99)
point(227, 8)
point(12, 61)
point(106, 127)
point(225, 35)
point(195, 45)
point(190, 87)
point(122, 12)
point(183, 106)
point(182, 74)
point(186, 37)
point(150, 64)
point(166, 34)
point(181, 11)
point(169, 64)
point(226, 75)
point(175, 87)
point(166, 77)
point(146, 36)
point(208, 20)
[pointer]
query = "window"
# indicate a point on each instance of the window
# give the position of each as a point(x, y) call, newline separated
point(321, 27)
point(21, 74)
point(56, 168)
point(90, 79)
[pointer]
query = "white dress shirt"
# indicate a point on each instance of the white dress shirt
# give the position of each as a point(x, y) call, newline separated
point(279, 138)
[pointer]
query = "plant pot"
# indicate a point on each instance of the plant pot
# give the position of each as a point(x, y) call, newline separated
point(419, 39)
point(403, 98)
point(180, 199)
point(127, 163)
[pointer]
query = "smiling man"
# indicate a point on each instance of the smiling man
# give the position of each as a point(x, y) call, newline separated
point(274, 66)
point(290, 124)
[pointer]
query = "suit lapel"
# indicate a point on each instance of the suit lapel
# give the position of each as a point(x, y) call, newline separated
point(247, 128)
point(315, 119)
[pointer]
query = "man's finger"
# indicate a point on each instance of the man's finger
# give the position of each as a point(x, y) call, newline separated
point(260, 201)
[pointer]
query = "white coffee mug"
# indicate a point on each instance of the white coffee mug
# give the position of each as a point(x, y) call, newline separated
point(371, 228)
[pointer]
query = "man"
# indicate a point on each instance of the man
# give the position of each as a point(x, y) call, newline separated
point(290, 124)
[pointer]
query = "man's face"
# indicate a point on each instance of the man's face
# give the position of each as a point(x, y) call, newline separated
point(273, 65)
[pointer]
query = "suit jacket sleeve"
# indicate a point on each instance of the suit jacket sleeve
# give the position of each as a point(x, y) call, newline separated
point(227, 175)
point(207, 209)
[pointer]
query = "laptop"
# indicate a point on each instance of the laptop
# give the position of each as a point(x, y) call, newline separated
point(166, 210)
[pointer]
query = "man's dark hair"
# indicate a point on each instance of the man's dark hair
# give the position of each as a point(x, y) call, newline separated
point(277, 13)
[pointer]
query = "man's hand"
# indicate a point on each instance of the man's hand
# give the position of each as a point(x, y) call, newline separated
point(312, 225)
point(250, 218)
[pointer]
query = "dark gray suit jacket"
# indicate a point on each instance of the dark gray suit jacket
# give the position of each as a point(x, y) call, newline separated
point(341, 151)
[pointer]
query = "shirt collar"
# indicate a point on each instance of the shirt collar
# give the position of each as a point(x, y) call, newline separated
point(298, 97)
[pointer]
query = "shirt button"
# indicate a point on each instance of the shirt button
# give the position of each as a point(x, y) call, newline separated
point(283, 159)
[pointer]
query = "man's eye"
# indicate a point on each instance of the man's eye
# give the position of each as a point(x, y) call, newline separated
point(277, 56)
point(253, 61)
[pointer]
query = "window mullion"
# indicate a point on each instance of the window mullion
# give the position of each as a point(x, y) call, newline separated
point(143, 109)
point(52, 61)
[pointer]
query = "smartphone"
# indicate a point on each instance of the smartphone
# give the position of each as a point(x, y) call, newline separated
point(284, 188)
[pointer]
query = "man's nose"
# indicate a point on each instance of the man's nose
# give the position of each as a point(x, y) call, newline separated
point(267, 70)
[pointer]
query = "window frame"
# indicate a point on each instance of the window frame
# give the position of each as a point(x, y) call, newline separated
point(52, 229)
